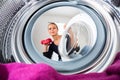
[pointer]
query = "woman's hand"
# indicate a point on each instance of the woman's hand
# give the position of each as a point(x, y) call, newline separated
point(46, 43)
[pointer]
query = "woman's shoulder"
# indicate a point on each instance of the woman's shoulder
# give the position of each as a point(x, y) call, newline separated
point(52, 43)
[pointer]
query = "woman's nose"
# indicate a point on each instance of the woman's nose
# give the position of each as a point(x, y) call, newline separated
point(52, 29)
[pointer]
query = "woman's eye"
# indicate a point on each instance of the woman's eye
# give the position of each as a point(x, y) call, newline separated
point(49, 28)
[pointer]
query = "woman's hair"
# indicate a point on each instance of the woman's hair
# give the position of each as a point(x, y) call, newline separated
point(53, 24)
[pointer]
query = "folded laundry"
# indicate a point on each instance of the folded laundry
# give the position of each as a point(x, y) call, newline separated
point(42, 71)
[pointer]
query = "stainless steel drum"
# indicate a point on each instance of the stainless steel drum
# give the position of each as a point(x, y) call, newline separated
point(93, 24)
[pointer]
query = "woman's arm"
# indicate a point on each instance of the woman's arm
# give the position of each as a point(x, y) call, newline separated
point(48, 51)
point(46, 48)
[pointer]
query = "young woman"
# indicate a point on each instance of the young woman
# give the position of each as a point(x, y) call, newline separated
point(53, 46)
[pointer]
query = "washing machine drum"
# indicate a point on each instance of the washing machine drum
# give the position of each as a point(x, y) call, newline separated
point(89, 33)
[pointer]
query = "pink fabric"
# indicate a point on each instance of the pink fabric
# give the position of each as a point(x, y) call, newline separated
point(22, 71)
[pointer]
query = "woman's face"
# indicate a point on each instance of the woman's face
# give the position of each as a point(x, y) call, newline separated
point(52, 29)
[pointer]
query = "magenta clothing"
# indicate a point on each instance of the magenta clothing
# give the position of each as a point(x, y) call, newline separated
point(42, 71)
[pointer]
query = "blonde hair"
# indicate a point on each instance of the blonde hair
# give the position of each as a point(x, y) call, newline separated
point(53, 24)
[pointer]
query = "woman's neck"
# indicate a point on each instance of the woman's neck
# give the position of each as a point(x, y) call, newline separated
point(56, 37)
